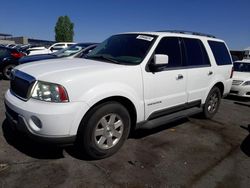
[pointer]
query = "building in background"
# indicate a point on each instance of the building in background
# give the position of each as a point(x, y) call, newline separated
point(9, 39)
point(247, 52)
point(4, 39)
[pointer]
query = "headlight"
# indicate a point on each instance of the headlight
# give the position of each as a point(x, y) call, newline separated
point(247, 83)
point(50, 92)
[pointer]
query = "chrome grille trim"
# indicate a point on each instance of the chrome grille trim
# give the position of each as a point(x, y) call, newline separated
point(21, 84)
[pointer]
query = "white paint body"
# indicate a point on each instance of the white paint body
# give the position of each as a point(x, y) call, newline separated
point(239, 78)
point(43, 50)
point(88, 82)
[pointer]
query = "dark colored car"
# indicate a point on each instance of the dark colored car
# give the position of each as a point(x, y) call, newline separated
point(8, 60)
point(76, 50)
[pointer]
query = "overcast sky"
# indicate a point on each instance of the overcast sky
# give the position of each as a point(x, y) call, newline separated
point(95, 20)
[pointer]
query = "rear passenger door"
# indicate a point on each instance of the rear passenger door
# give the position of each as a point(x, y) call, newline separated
point(199, 71)
point(166, 88)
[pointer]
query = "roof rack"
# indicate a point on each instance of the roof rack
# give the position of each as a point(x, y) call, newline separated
point(189, 32)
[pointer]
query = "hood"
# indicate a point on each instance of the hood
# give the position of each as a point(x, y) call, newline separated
point(241, 76)
point(27, 59)
point(64, 70)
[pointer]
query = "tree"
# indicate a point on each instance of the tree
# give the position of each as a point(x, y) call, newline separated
point(64, 29)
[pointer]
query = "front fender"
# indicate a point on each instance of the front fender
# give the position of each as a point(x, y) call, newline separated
point(103, 91)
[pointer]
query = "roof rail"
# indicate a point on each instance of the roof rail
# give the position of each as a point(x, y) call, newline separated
point(188, 32)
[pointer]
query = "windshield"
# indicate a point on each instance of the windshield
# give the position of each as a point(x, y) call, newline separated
point(242, 67)
point(123, 49)
point(72, 50)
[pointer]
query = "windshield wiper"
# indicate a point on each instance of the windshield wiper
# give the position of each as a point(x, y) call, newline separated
point(103, 57)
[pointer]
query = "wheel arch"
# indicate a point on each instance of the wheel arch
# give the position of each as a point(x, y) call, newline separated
point(127, 103)
point(221, 87)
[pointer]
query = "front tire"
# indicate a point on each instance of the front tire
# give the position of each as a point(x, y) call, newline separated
point(212, 103)
point(103, 130)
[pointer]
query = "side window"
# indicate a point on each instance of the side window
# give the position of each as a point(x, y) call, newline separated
point(170, 46)
point(221, 54)
point(195, 53)
point(59, 45)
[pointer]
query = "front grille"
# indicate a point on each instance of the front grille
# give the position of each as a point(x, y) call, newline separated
point(237, 82)
point(234, 92)
point(21, 83)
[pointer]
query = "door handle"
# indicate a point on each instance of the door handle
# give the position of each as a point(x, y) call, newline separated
point(179, 77)
point(210, 73)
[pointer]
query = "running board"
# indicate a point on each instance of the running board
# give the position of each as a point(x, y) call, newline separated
point(150, 124)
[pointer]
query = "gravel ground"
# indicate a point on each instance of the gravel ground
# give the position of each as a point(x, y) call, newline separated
point(191, 152)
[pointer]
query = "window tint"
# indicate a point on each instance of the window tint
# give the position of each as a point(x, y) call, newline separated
point(220, 52)
point(123, 48)
point(59, 45)
point(241, 67)
point(195, 52)
point(170, 46)
point(57, 48)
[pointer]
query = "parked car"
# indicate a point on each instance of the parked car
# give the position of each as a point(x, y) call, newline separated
point(8, 60)
point(53, 48)
point(10, 45)
point(241, 78)
point(131, 80)
point(76, 50)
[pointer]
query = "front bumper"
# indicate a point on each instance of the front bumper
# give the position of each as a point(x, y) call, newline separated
point(21, 125)
point(44, 121)
point(243, 91)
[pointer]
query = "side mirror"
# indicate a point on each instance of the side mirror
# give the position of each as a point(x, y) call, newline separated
point(161, 59)
point(159, 63)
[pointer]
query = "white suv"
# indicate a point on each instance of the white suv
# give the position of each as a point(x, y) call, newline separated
point(53, 48)
point(131, 80)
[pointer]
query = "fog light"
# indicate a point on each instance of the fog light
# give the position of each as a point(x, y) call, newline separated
point(36, 121)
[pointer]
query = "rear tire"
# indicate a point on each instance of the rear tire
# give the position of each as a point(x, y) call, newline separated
point(212, 103)
point(7, 71)
point(103, 130)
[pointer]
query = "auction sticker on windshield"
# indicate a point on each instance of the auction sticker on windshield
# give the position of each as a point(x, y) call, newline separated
point(144, 37)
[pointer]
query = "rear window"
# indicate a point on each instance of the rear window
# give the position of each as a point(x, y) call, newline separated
point(221, 54)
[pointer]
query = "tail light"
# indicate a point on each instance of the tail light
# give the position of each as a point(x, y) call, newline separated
point(17, 55)
point(232, 72)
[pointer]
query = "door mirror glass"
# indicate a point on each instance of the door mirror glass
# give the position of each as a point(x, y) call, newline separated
point(161, 59)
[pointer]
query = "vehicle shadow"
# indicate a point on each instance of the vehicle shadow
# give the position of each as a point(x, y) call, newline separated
point(43, 151)
point(28, 146)
point(245, 145)
point(76, 151)
point(237, 98)
point(141, 133)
